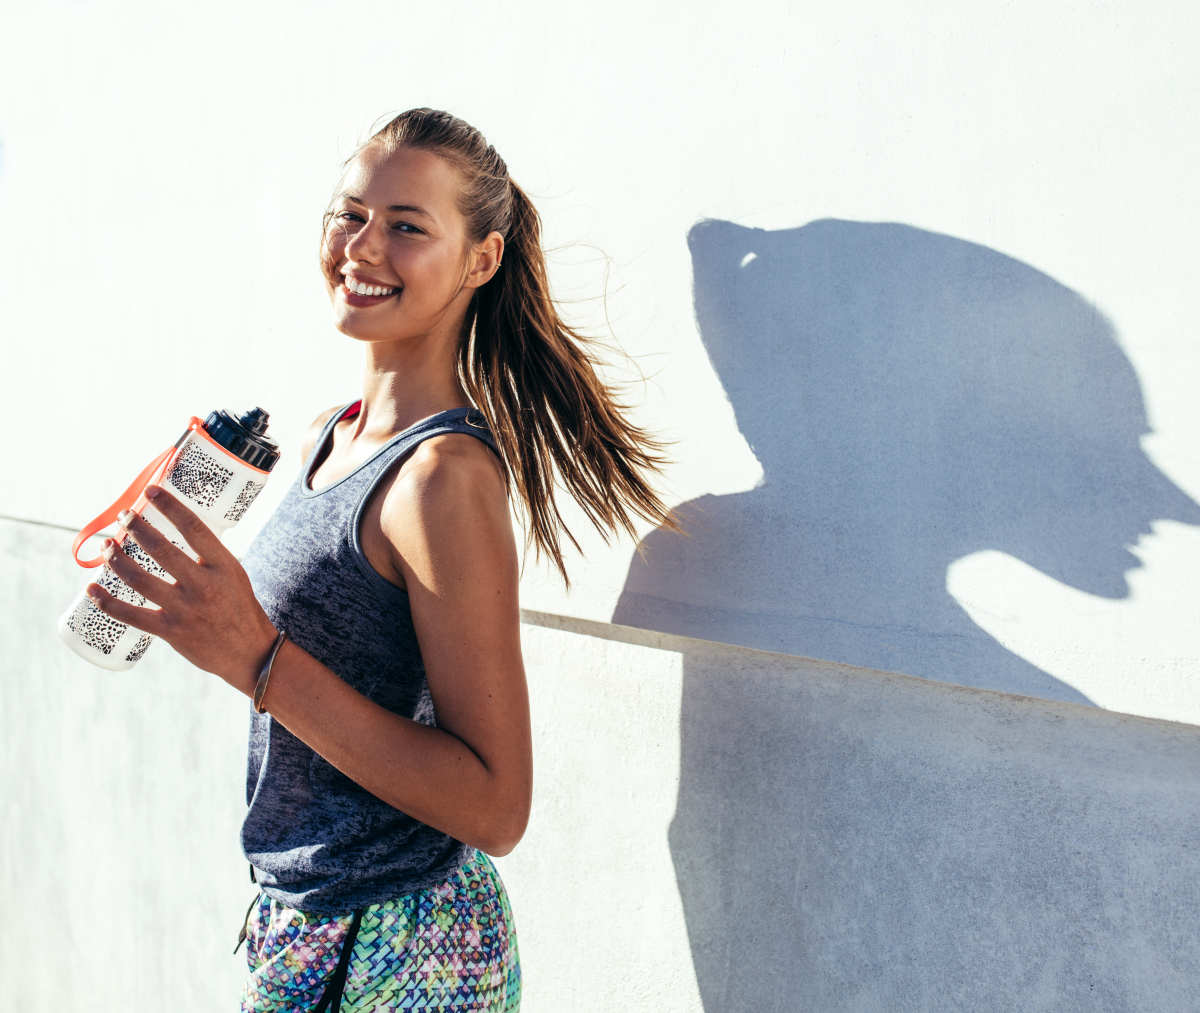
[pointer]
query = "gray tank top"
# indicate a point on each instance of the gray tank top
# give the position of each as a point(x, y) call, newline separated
point(315, 839)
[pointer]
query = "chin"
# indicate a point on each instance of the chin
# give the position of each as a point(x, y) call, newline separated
point(1105, 579)
point(358, 333)
point(361, 332)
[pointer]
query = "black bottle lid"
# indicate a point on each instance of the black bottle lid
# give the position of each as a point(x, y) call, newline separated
point(244, 436)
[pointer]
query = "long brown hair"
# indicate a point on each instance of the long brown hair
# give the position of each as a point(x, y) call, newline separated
point(531, 375)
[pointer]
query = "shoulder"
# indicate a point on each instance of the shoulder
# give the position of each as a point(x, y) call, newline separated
point(449, 472)
point(451, 461)
point(309, 439)
point(446, 511)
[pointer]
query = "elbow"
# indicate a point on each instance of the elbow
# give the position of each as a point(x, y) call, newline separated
point(506, 830)
point(505, 839)
point(502, 846)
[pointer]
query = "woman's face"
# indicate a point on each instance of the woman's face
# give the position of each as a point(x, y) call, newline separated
point(395, 227)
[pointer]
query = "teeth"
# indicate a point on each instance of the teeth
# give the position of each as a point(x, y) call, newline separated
point(359, 289)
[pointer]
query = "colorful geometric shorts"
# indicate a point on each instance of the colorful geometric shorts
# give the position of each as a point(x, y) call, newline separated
point(449, 947)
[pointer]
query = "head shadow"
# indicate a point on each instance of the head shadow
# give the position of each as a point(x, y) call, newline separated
point(912, 398)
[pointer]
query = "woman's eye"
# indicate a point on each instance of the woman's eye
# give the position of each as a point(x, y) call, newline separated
point(354, 216)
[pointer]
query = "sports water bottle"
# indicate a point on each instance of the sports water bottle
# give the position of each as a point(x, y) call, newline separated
point(216, 468)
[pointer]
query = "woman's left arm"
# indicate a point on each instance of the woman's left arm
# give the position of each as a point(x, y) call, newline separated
point(447, 517)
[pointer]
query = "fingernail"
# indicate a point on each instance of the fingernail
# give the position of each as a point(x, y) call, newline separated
point(125, 516)
point(152, 492)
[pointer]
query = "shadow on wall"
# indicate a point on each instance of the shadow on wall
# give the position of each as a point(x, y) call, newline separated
point(912, 398)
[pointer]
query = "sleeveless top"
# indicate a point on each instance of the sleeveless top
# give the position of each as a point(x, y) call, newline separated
point(315, 839)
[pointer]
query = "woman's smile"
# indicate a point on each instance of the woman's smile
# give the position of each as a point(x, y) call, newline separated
point(369, 286)
point(358, 294)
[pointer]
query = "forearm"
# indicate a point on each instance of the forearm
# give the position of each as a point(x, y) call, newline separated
point(425, 772)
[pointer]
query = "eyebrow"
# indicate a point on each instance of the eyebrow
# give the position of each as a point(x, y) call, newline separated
point(407, 208)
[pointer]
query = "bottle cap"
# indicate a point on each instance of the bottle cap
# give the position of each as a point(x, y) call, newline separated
point(244, 436)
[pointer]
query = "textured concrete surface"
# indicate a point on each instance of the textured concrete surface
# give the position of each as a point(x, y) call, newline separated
point(844, 839)
point(714, 828)
point(123, 794)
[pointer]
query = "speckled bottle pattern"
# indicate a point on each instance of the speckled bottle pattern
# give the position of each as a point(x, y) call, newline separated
point(216, 468)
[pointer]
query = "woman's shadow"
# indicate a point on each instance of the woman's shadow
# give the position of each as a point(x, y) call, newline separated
point(912, 398)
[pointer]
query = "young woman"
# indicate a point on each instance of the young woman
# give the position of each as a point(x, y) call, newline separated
point(374, 620)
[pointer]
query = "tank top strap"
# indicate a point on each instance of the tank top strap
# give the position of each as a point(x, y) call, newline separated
point(319, 443)
point(454, 420)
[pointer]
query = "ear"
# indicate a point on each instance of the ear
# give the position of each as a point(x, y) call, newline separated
point(485, 260)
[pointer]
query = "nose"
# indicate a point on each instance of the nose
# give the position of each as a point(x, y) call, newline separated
point(364, 244)
point(1170, 502)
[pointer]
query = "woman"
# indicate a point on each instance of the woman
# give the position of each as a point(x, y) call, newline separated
point(374, 620)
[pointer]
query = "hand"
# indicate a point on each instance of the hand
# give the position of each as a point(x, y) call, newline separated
point(210, 614)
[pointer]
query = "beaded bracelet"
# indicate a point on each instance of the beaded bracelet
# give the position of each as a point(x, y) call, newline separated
point(260, 688)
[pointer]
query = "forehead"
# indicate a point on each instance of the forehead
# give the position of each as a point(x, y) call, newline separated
point(406, 176)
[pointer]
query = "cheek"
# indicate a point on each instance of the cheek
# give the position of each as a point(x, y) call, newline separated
point(332, 254)
point(335, 240)
point(441, 268)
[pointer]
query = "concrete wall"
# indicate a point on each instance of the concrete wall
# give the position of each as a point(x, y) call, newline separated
point(909, 721)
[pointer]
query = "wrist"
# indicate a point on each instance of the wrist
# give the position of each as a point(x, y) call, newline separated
point(258, 648)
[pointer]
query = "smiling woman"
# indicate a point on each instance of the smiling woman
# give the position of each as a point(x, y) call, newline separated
point(374, 620)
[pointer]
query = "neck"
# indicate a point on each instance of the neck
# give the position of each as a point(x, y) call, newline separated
point(402, 385)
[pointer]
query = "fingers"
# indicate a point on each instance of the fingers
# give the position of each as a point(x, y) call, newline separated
point(191, 576)
point(156, 544)
point(197, 534)
point(135, 575)
point(144, 619)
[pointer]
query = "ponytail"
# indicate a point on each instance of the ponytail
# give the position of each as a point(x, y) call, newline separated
point(530, 375)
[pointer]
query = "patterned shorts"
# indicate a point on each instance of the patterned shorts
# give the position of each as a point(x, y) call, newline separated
point(449, 947)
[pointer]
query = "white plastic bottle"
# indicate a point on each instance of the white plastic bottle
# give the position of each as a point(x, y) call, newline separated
point(216, 468)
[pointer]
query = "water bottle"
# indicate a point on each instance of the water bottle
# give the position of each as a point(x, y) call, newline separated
point(216, 468)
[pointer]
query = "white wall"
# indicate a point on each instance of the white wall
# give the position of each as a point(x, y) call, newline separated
point(163, 174)
point(909, 287)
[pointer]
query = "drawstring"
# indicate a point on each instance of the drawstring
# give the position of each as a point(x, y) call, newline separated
point(245, 922)
point(333, 991)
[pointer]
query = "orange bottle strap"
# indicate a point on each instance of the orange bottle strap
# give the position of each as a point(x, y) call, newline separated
point(129, 499)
